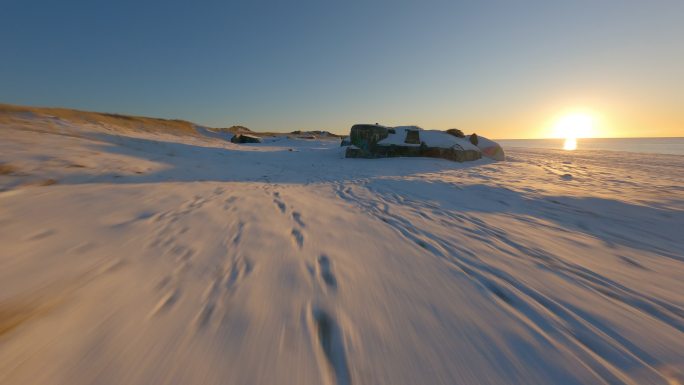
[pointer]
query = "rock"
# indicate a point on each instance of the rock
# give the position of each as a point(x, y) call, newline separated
point(366, 136)
point(412, 137)
point(242, 138)
point(345, 142)
point(491, 149)
point(473, 139)
point(453, 153)
point(367, 142)
point(393, 151)
point(355, 152)
point(455, 132)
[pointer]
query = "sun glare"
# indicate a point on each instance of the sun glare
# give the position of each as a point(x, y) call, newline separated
point(573, 126)
point(570, 144)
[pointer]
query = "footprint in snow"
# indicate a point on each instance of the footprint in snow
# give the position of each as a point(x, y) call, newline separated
point(298, 218)
point(330, 339)
point(325, 271)
point(298, 237)
point(280, 205)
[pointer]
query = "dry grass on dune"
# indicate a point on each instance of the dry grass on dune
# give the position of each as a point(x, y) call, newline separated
point(234, 129)
point(12, 316)
point(7, 169)
point(17, 312)
point(21, 116)
point(48, 119)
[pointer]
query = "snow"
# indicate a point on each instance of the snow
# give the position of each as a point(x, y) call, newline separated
point(436, 138)
point(432, 138)
point(158, 258)
point(398, 137)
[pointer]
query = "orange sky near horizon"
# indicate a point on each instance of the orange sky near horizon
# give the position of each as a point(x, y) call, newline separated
point(608, 120)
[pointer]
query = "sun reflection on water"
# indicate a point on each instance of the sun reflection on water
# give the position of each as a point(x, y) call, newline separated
point(570, 144)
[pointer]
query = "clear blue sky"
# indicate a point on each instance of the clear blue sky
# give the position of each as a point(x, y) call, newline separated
point(502, 67)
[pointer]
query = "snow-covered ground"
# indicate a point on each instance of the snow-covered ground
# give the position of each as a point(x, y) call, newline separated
point(145, 258)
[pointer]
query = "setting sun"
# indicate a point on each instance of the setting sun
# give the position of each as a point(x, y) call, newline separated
point(574, 126)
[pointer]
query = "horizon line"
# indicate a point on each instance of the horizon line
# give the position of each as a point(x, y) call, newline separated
point(299, 129)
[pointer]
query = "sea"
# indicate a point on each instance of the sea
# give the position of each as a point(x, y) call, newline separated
point(672, 146)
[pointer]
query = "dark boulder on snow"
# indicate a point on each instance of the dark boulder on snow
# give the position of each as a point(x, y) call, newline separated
point(242, 138)
point(366, 136)
point(376, 141)
point(412, 136)
point(455, 154)
point(473, 139)
point(355, 152)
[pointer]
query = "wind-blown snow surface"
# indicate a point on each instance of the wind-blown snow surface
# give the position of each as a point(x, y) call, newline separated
point(150, 259)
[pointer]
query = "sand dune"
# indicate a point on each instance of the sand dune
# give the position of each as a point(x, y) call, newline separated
point(55, 118)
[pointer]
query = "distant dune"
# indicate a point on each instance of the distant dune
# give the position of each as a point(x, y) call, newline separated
point(54, 119)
